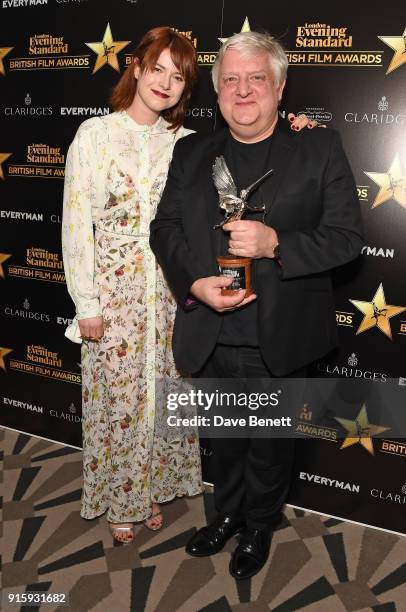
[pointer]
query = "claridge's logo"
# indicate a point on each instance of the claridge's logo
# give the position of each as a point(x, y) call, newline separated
point(69, 414)
point(382, 117)
point(351, 370)
point(390, 496)
point(28, 110)
point(25, 312)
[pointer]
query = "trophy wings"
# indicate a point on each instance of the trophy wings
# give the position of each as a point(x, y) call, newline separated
point(222, 178)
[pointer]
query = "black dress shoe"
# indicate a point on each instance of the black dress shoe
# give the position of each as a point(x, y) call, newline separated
point(251, 553)
point(211, 539)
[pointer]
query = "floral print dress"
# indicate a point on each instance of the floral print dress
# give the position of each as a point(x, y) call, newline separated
point(115, 174)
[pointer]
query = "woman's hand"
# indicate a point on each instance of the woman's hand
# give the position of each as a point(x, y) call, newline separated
point(91, 329)
point(301, 121)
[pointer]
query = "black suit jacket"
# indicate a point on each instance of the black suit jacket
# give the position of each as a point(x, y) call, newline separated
point(311, 202)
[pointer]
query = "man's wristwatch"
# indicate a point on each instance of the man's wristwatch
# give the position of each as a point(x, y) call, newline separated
point(276, 252)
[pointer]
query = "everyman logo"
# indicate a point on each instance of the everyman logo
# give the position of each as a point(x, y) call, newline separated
point(330, 482)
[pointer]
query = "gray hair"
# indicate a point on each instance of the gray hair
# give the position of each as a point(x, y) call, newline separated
point(254, 43)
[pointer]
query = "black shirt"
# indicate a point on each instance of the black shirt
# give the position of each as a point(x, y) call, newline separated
point(247, 163)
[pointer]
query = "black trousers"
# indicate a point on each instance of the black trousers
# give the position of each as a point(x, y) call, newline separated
point(252, 475)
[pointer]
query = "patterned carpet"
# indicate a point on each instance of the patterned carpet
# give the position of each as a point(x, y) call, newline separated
point(317, 564)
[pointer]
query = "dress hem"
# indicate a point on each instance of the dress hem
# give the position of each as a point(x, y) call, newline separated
point(144, 517)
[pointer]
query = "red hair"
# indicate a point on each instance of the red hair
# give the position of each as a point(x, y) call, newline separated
point(183, 55)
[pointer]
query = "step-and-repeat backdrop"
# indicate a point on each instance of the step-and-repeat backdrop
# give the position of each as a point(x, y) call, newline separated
point(58, 62)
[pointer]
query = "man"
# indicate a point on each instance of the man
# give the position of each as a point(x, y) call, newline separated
point(311, 225)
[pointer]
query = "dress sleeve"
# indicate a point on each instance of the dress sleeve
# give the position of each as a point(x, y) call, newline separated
point(80, 195)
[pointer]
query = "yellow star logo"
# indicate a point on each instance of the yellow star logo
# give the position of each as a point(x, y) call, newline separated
point(392, 184)
point(3, 353)
point(398, 44)
point(3, 258)
point(3, 52)
point(377, 313)
point(3, 157)
point(107, 50)
point(360, 431)
point(245, 28)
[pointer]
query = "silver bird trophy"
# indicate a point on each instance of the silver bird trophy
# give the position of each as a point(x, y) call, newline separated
point(234, 207)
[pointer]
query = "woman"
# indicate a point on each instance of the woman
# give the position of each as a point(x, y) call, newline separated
point(115, 173)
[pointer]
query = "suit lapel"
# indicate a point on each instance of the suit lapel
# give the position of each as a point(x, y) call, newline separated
point(210, 192)
point(282, 150)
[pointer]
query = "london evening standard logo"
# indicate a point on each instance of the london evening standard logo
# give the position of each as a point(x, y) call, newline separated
point(376, 313)
point(40, 264)
point(41, 161)
point(41, 361)
point(49, 51)
point(305, 426)
point(323, 44)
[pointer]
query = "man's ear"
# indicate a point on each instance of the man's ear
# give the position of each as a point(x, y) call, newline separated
point(280, 90)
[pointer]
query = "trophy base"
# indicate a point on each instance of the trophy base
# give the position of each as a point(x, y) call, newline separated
point(239, 269)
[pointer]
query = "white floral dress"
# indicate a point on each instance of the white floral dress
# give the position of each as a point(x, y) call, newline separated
point(115, 174)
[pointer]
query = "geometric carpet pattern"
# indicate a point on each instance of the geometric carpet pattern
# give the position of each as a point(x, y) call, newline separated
point(317, 564)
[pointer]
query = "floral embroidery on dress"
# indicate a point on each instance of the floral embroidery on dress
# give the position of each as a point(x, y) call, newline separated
point(115, 174)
